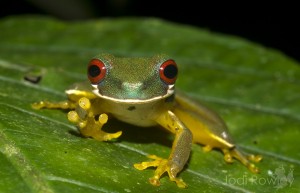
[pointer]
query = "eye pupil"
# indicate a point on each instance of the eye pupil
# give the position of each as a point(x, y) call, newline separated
point(94, 71)
point(170, 71)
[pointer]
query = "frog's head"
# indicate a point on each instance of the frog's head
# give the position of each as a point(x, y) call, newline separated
point(132, 79)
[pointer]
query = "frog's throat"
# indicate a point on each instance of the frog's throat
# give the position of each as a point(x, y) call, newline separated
point(170, 91)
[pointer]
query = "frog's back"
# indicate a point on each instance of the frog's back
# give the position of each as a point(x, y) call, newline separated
point(207, 127)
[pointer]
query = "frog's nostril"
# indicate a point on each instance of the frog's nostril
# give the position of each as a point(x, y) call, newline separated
point(132, 86)
point(132, 90)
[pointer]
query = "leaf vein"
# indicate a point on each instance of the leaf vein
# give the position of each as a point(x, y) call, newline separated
point(78, 183)
point(251, 107)
point(45, 89)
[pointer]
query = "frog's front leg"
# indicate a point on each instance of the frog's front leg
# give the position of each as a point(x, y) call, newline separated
point(58, 105)
point(179, 155)
point(73, 98)
point(89, 120)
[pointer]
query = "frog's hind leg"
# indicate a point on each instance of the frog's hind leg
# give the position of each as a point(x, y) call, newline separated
point(229, 154)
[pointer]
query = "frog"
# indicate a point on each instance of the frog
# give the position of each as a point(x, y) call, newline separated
point(141, 91)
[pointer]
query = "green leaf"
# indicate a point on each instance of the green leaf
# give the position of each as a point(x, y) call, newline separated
point(256, 90)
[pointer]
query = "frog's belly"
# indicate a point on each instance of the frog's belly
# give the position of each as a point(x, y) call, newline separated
point(136, 118)
point(140, 114)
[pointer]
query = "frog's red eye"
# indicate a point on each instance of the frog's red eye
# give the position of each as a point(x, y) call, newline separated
point(96, 71)
point(168, 72)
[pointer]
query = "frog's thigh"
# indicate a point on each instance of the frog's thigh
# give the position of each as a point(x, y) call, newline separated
point(208, 130)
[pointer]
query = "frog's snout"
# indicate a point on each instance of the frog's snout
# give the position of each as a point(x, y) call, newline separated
point(132, 89)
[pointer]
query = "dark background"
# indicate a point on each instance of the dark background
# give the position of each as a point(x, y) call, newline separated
point(272, 25)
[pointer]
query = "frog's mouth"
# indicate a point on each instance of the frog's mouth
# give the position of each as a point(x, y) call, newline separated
point(170, 92)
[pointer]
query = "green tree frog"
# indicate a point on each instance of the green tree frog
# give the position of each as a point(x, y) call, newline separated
point(141, 91)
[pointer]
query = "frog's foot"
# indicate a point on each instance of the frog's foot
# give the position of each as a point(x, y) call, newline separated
point(163, 165)
point(229, 154)
point(50, 105)
point(88, 124)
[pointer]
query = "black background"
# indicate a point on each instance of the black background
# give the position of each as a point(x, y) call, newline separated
point(271, 25)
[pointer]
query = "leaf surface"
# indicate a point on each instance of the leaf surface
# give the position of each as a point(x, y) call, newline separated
point(255, 89)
